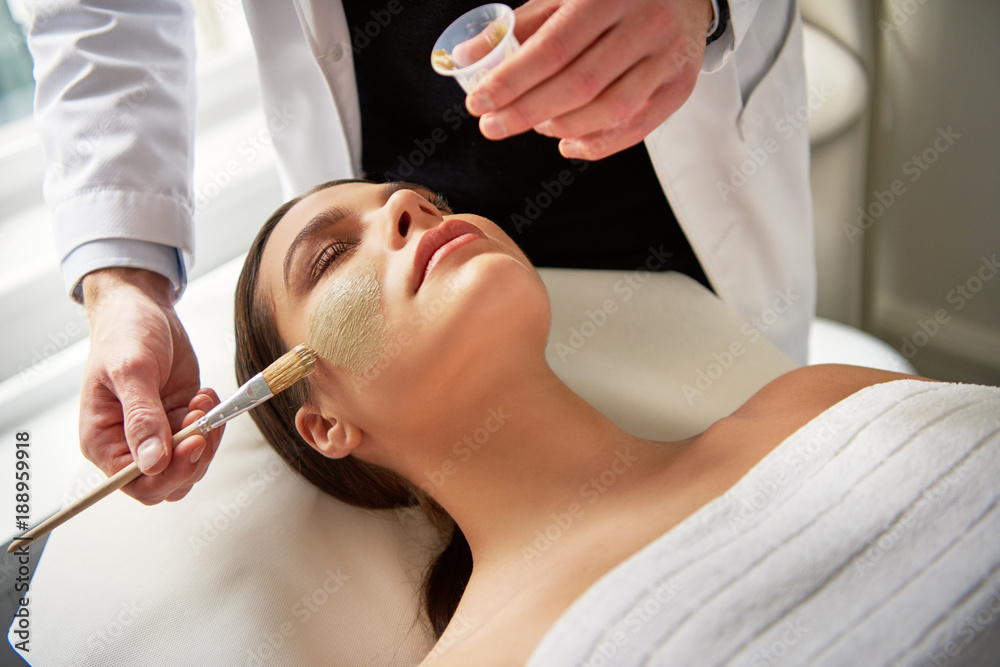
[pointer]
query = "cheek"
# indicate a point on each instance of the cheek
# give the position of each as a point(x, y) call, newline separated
point(347, 326)
point(499, 237)
point(438, 345)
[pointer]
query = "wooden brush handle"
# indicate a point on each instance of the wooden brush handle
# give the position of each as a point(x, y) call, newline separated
point(106, 488)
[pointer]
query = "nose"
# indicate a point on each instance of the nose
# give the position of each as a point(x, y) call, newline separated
point(407, 211)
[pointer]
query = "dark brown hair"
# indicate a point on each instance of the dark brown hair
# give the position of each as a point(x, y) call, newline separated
point(350, 479)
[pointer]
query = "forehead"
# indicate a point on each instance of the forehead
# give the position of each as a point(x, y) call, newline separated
point(352, 195)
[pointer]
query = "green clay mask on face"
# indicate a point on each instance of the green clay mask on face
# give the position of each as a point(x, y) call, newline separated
point(347, 327)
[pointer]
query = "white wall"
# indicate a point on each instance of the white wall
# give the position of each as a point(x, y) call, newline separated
point(839, 62)
point(935, 137)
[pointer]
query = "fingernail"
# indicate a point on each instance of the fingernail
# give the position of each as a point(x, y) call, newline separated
point(480, 102)
point(150, 452)
point(544, 128)
point(569, 149)
point(197, 454)
point(492, 128)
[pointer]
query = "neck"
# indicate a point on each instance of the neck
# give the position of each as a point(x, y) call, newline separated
point(523, 458)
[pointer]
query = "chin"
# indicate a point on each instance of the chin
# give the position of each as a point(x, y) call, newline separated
point(475, 322)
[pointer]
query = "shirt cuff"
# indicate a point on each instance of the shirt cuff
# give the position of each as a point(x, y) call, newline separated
point(105, 253)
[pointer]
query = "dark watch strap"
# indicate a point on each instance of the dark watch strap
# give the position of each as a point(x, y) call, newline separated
point(723, 22)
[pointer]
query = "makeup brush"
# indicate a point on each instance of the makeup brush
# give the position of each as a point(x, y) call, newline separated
point(283, 373)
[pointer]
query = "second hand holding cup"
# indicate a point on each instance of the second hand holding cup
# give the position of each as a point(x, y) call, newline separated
point(475, 43)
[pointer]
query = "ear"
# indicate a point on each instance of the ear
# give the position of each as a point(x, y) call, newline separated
point(331, 437)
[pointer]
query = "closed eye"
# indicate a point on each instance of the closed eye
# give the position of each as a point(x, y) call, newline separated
point(329, 256)
point(338, 249)
point(439, 202)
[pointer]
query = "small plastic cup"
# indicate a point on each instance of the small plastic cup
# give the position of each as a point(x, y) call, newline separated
point(475, 43)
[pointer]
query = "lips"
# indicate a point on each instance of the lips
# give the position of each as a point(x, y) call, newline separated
point(437, 242)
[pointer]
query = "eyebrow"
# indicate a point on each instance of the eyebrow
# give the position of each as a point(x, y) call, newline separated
point(326, 219)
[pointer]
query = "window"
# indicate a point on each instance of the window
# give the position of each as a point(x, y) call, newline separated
point(16, 84)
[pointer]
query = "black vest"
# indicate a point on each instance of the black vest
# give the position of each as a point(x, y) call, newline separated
point(609, 214)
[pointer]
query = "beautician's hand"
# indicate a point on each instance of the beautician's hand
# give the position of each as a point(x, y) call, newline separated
point(140, 383)
point(600, 75)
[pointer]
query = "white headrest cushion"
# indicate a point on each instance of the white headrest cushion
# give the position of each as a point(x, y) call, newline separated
point(257, 567)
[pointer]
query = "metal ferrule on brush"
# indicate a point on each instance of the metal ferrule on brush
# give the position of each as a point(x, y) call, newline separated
point(250, 395)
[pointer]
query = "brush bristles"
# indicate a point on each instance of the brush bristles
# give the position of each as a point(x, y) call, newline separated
point(290, 368)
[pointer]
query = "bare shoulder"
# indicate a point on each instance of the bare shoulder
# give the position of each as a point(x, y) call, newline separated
point(792, 400)
point(820, 387)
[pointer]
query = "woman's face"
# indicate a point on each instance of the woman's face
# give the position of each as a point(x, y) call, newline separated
point(423, 299)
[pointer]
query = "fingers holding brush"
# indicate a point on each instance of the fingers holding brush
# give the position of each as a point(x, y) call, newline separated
point(204, 447)
point(139, 379)
point(190, 454)
point(189, 460)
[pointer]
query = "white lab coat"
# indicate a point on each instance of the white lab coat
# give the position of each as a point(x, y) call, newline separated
point(115, 101)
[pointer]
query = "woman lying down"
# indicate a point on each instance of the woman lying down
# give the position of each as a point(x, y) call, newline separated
point(841, 515)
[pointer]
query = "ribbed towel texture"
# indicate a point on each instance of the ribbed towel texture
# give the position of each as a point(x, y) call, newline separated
point(869, 537)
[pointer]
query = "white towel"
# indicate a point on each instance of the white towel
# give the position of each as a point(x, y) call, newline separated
point(869, 537)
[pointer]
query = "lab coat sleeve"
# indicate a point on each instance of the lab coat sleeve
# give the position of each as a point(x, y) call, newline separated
point(114, 105)
point(741, 15)
point(102, 253)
